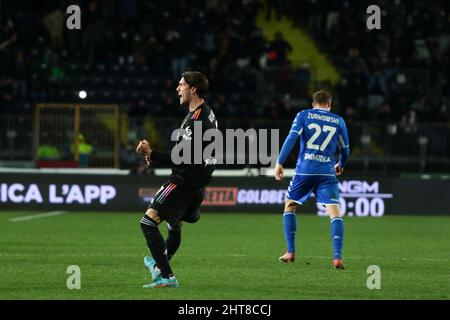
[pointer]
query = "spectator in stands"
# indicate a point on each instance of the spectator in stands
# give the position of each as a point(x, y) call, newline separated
point(302, 75)
point(350, 114)
point(85, 151)
point(409, 122)
point(170, 107)
point(444, 111)
point(221, 106)
point(95, 34)
point(8, 34)
point(139, 109)
point(123, 42)
point(54, 22)
point(177, 47)
point(209, 47)
point(128, 157)
point(20, 77)
point(357, 85)
point(274, 5)
point(279, 49)
point(6, 95)
point(376, 86)
point(385, 114)
point(276, 110)
point(46, 150)
point(137, 115)
point(56, 70)
point(38, 88)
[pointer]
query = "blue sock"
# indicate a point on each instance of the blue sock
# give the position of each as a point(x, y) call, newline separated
point(290, 227)
point(337, 236)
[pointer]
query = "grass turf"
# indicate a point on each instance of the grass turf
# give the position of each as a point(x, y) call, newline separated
point(224, 256)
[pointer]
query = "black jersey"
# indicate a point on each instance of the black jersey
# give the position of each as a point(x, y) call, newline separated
point(192, 174)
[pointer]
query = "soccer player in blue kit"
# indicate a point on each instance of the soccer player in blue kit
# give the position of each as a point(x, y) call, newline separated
point(321, 134)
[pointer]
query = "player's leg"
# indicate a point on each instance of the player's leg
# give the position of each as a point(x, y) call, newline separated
point(164, 206)
point(173, 240)
point(191, 215)
point(174, 234)
point(157, 247)
point(290, 229)
point(299, 191)
point(149, 262)
point(328, 195)
point(337, 234)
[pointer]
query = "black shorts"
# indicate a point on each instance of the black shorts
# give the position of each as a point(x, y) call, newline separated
point(175, 203)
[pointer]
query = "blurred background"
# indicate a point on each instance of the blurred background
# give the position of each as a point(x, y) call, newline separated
point(82, 98)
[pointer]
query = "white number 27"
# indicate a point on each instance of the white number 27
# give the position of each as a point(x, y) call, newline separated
point(318, 130)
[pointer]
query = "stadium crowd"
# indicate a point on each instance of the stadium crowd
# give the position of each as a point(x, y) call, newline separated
point(132, 52)
point(401, 70)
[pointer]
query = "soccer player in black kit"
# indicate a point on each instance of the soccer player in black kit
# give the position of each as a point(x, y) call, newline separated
point(179, 198)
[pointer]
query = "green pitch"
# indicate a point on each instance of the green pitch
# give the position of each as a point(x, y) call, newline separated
point(224, 256)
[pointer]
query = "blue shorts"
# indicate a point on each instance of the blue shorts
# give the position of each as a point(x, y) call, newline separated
point(325, 188)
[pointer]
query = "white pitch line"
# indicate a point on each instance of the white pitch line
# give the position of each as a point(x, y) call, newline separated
point(38, 216)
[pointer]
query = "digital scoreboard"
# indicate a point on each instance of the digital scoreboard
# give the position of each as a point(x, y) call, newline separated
point(360, 198)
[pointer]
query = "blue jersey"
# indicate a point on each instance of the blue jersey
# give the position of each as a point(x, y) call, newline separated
point(321, 133)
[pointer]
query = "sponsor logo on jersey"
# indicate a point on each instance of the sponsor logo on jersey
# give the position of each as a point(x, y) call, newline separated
point(317, 157)
point(211, 117)
point(188, 135)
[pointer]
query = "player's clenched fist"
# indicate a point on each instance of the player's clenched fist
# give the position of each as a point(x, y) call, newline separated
point(143, 147)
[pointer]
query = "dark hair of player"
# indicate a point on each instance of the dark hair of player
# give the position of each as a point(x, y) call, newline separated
point(322, 97)
point(198, 80)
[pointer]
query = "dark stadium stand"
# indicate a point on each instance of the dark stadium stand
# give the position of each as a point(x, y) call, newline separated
point(394, 85)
